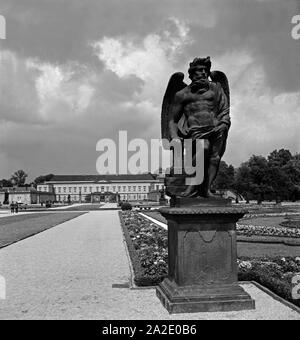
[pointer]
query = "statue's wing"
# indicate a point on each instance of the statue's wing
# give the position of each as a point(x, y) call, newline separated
point(220, 77)
point(175, 85)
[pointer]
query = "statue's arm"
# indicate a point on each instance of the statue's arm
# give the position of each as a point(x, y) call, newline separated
point(223, 110)
point(176, 114)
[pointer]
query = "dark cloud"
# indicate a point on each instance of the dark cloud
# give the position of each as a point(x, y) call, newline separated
point(261, 27)
point(45, 134)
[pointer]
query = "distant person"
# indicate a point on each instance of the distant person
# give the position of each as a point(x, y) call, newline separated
point(16, 208)
point(12, 207)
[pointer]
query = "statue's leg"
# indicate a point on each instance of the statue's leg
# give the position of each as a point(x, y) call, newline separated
point(218, 146)
point(207, 155)
point(199, 190)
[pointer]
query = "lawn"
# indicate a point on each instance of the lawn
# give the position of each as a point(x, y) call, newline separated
point(19, 227)
point(257, 250)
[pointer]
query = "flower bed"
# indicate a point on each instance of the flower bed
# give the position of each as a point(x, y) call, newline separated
point(148, 248)
point(276, 274)
point(253, 230)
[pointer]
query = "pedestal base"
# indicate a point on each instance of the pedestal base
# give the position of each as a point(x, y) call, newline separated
point(202, 251)
point(197, 299)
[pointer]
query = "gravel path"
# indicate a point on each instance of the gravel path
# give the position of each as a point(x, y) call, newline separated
point(69, 272)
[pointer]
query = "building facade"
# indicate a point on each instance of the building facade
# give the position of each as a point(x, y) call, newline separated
point(25, 196)
point(88, 188)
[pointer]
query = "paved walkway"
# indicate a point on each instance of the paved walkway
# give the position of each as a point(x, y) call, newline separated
point(109, 206)
point(68, 272)
point(63, 207)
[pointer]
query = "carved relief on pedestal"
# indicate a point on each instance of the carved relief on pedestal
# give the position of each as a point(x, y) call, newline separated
point(206, 257)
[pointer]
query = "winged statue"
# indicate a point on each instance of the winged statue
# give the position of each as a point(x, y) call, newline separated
point(200, 110)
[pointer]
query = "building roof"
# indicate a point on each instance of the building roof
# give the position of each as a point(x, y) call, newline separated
point(18, 189)
point(101, 178)
point(22, 190)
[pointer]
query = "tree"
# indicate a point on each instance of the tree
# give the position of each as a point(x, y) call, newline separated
point(251, 179)
point(279, 158)
point(277, 177)
point(283, 174)
point(259, 177)
point(19, 178)
point(43, 179)
point(225, 178)
point(242, 181)
point(6, 183)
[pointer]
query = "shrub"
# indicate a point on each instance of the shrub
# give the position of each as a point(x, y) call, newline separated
point(126, 206)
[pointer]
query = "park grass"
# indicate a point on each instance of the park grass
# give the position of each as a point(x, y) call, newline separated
point(19, 227)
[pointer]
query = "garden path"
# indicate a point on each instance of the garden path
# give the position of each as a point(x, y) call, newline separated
point(80, 270)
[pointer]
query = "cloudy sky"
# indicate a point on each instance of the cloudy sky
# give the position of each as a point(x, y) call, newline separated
point(75, 71)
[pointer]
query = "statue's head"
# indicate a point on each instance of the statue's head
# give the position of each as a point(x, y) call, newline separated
point(200, 69)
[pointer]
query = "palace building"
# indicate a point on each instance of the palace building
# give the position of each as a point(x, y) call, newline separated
point(102, 188)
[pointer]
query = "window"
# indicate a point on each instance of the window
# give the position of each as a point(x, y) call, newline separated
point(140, 189)
point(59, 190)
point(97, 189)
point(102, 189)
point(91, 189)
point(114, 189)
point(65, 189)
point(85, 188)
point(107, 189)
point(75, 189)
point(129, 189)
point(70, 190)
point(119, 189)
point(134, 188)
point(124, 189)
point(145, 188)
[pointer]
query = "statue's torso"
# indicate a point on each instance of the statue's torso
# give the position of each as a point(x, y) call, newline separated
point(200, 109)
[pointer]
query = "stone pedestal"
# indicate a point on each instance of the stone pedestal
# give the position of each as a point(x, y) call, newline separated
point(202, 261)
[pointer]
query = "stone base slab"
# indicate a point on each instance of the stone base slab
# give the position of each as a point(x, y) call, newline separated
point(197, 299)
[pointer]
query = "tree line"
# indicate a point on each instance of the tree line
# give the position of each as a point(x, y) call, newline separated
point(19, 178)
point(276, 177)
